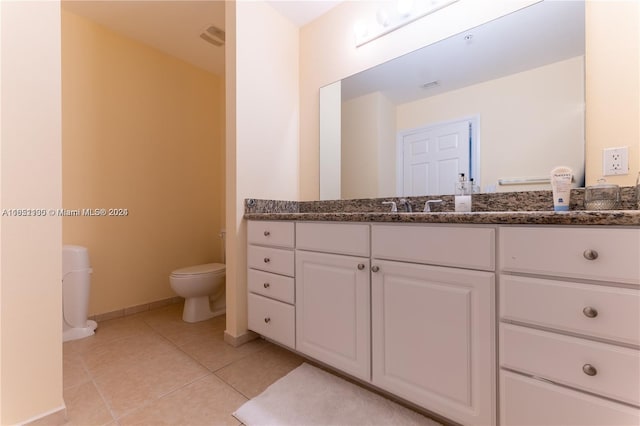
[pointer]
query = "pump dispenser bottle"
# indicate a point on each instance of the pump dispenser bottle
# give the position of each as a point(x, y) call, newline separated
point(463, 194)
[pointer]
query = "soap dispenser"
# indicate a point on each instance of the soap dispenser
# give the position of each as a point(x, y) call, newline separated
point(463, 194)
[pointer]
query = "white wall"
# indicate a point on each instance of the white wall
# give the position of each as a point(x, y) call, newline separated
point(328, 54)
point(262, 130)
point(30, 250)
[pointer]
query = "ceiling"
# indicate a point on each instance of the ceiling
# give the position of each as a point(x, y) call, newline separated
point(174, 26)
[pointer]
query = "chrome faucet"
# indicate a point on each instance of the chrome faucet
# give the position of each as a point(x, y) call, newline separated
point(394, 208)
point(427, 205)
point(406, 204)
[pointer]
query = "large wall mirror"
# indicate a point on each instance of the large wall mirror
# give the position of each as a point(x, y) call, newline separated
point(503, 103)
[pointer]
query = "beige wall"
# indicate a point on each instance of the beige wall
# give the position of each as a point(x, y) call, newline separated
point(510, 128)
point(613, 85)
point(141, 131)
point(262, 139)
point(328, 54)
point(30, 260)
point(368, 147)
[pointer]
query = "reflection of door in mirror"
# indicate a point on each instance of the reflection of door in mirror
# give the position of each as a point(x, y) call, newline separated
point(432, 157)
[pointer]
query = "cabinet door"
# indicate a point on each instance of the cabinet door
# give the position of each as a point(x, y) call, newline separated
point(333, 311)
point(433, 338)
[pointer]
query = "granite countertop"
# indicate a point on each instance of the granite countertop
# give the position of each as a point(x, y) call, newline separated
point(579, 217)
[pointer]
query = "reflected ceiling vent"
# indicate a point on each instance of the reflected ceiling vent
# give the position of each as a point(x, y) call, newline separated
point(430, 84)
point(213, 35)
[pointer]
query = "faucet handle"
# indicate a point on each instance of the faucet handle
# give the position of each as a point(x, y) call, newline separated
point(394, 207)
point(427, 205)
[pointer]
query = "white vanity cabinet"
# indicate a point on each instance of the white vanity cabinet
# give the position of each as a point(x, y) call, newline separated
point(271, 298)
point(333, 295)
point(433, 326)
point(570, 325)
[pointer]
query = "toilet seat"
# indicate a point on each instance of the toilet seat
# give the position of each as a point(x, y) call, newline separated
point(207, 268)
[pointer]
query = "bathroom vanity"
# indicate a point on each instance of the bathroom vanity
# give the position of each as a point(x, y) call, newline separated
point(505, 318)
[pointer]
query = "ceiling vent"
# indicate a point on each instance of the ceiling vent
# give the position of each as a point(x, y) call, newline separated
point(213, 35)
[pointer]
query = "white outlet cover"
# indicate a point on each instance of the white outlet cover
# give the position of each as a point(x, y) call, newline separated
point(615, 161)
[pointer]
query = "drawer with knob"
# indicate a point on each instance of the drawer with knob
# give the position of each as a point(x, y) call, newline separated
point(604, 312)
point(273, 319)
point(272, 285)
point(271, 233)
point(600, 368)
point(594, 253)
point(270, 259)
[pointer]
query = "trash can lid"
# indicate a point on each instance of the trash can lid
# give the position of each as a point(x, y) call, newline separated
point(74, 258)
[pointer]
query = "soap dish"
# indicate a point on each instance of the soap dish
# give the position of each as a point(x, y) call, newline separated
point(602, 196)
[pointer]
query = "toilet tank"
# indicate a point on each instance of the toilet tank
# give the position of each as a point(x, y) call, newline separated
point(74, 258)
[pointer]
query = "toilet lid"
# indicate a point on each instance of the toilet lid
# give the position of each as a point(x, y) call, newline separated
point(207, 268)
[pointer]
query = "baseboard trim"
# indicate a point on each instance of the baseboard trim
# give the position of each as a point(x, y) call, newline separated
point(132, 310)
point(55, 417)
point(236, 341)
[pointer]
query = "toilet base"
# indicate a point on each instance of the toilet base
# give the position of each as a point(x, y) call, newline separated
point(75, 333)
point(198, 309)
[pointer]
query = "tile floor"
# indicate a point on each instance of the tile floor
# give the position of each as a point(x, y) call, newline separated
point(154, 369)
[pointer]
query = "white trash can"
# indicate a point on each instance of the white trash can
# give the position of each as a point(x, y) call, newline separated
point(76, 285)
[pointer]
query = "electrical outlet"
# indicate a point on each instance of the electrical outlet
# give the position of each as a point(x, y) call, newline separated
point(615, 161)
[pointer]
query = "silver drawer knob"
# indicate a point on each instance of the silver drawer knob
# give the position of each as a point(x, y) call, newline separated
point(266, 285)
point(589, 370)
point(375, 268)
point(590, 254)
point(267, 233)
point(267, 260)
point(267, 320)
point(590, 312)
point(360, 266)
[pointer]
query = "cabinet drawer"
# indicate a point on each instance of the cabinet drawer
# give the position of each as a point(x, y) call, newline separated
point(270, 259)
point(600, 311)
point(280, 234)
point(528, 402)
point(566, 252)
point(563, 359)
point(463, 247)
point(272, 285)
point(272, 319)
point(339, 238)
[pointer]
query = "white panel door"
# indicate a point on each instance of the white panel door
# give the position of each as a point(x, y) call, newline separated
point(433, 338)
point(433, 157)
point(333, 311)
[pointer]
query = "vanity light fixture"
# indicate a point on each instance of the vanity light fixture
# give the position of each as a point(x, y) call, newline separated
point(430, 84)
point(407, 11)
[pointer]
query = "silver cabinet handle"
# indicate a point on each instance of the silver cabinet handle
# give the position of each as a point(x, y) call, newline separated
point(590, 312)
point(267, 260)
point(360, 266)
point(267, 233)
point(266, 285)
point(375, 268)
point(590, 254)
point(589, 370)
point(267, 320)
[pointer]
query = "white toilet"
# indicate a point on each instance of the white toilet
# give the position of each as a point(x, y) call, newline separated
point(203, 287)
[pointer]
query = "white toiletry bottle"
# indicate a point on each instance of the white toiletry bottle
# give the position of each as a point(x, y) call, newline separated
point(463, 195)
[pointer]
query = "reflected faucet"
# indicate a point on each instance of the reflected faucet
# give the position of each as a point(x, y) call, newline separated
point(406, 204)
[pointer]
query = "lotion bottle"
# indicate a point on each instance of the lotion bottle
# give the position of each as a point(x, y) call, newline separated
point(463, 194)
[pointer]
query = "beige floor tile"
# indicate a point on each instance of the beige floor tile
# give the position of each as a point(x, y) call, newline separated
point(254, 373)
point(180, 333)
point(85, 406)
point(108, 332)
point(215, 353)
point(128, 388)
point(208, 401)
point(125, 353)
point(73, 370)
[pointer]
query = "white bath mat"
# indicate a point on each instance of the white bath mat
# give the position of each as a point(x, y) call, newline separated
point(309, 396)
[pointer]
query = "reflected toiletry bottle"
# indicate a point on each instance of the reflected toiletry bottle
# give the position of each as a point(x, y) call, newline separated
point(463, 194)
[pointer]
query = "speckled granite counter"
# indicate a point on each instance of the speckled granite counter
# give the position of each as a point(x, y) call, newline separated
point(612, 217)
point(517, 208)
